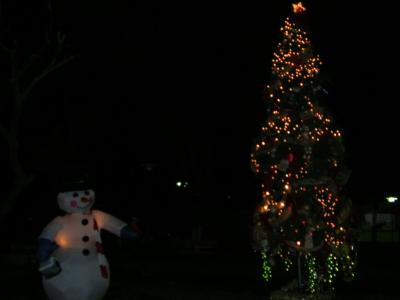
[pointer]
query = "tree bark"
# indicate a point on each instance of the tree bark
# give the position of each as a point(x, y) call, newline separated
point(20, 94)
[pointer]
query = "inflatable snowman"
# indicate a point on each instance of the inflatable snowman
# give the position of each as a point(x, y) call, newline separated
point(70, 252)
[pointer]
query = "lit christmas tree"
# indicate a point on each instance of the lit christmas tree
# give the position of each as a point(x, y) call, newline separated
point(303, 218)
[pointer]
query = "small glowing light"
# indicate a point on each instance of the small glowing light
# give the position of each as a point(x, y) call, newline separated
point(182, 183)
point(391, 199)
point(62, 241)
point(281, 204)
point(298, 243)
point(266, 274)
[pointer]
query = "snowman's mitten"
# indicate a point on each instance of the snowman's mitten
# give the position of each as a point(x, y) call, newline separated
point(48, 265)
point(127, 233)
point(49, 268)
point(45, 248)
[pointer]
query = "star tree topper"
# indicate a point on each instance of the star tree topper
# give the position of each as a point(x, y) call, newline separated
point(298, 8)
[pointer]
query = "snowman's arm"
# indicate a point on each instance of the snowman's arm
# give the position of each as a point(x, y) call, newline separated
point(45, 249)
point(46, 243)
point(114, 225)
point(127, 233)
point(108, 222)
point(48, 265)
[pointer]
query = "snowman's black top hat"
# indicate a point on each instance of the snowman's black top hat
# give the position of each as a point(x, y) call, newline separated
point(74, 179)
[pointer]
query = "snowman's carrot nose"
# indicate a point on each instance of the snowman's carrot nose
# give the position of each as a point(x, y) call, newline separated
point(85, 200)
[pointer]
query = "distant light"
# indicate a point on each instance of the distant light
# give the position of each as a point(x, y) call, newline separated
point(391, 199)
point(182, 183)
point(149, 166)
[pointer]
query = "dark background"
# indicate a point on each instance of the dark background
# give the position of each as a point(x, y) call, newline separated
point(163, 91)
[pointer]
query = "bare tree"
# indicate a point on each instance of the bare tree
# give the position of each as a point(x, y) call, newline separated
point(26, 70)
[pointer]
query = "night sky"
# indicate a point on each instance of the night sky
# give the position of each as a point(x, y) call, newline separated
point(180, 85)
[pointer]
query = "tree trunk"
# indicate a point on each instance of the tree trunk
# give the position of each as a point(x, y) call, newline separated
point(19, 178)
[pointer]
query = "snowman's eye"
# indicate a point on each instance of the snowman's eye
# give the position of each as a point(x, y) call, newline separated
point(75, 195)
point(87, 193)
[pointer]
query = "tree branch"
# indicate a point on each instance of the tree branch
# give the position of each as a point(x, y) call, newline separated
point(4, 132)
point(21, 89)
point(34, 57)
point(5, 48)
point(44, 73)
point(60, 45)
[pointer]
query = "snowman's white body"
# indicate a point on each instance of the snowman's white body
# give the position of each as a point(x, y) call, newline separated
point(84, 269)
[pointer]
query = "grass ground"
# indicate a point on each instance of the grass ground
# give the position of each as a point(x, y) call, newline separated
point(162, 276)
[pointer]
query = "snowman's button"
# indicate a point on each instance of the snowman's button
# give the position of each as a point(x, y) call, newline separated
point(85, 252)
point(85, 238)
point(85, 222)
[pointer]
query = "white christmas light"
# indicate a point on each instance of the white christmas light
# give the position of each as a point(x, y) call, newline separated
point(391, 199)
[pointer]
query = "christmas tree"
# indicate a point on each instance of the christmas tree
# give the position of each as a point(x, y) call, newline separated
point(303, 217)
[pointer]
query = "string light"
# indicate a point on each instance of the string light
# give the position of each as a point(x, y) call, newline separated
point(266, 268)
point(312, 273)
point(285, 157)
point(333, 269)
point(348, 266)
point(287, 263)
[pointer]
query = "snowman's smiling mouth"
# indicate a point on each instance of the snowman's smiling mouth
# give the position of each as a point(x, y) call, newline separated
point(83, 207)
point(84, 200)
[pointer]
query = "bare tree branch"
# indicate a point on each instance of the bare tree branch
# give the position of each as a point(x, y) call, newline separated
point(31, 60)
point(60, 44)
point(4, 48)
point(4, 132)
point(51, 20)
point(22, 84)
point(44, 73)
